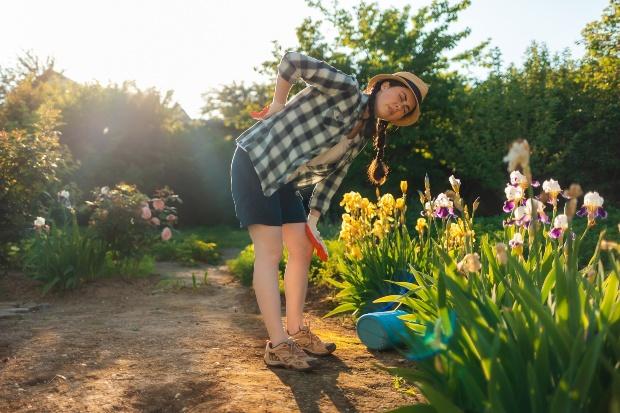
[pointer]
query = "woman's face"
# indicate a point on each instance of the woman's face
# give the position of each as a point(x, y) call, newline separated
point(392, 103)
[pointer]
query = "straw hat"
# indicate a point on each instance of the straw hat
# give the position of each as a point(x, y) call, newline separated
point(411, 81)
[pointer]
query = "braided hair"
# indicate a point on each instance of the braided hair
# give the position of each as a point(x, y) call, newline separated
point(375, 128)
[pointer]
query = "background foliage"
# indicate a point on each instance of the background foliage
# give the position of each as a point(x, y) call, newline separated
point(59, 133)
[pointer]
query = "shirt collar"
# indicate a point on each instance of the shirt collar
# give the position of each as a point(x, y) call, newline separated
point(362, 104)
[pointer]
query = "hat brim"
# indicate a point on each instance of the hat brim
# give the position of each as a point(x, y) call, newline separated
point(407, 120)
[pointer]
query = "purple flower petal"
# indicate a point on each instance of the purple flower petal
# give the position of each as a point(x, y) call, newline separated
point(544, 218)
point(441, 212)
point(524, 219)
point(509, 206)
point(601, 213)
point(582, 211)
point(555, 233)
point(451, 212)
point(535, 184)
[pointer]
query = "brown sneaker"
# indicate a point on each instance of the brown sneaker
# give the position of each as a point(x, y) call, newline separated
point(287, 354)
point(311, 343)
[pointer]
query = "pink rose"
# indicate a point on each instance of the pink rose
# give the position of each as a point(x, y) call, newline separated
point(166, 234)
point(146, 212)
point(171, 218)
point(158, 204)
point(155, 221)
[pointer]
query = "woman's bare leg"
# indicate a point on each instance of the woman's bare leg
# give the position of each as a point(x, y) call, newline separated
point(267, 241)
point(296, 275)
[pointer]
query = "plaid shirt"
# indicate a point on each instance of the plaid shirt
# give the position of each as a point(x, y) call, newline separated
point(311, 122)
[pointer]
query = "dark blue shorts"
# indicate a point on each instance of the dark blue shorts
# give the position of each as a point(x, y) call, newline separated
point(251, 206)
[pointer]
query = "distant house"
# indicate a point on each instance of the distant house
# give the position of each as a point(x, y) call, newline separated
point(183, 116)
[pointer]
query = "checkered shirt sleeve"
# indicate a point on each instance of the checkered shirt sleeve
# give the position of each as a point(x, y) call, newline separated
point(325, 190)
point(315, 72)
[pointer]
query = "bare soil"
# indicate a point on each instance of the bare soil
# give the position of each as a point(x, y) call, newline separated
point(131, 345)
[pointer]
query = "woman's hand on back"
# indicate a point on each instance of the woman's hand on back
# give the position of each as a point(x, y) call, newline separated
point(268, 111)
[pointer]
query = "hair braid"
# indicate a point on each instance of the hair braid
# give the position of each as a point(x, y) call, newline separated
point(376, 129)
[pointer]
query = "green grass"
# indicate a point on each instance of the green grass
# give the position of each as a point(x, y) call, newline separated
point(223, 235)
point(233, 237)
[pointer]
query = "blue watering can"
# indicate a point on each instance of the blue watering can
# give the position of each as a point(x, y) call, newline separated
point(381, 330)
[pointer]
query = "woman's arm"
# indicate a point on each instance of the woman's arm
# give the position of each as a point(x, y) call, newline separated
point(283, 87)
point(315, 72)
point(315, 212)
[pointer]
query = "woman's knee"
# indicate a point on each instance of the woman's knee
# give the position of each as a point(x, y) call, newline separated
point(267, 244)
point(300, 249)
point(268, 254)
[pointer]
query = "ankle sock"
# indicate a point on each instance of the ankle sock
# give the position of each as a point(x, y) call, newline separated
point(271, 345)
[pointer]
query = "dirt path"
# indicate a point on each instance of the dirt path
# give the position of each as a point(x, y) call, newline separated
point(125, 346)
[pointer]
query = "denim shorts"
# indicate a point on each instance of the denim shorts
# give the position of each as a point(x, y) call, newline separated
point(251, 206)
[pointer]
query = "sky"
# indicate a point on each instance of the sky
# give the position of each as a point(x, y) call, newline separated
point(191, 46)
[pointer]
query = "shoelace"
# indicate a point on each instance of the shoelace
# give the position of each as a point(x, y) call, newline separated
point(291, 352)
point(313, 337)
point(309, 333)
point(295, 350)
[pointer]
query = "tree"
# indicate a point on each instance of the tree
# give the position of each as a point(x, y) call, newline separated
point(233, 103)
point(32, 167)
point(371, 41)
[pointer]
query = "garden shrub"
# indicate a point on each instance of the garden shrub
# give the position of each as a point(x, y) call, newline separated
point(189, 250)
point(64, 257)
point(127, 220)
point(32, 164)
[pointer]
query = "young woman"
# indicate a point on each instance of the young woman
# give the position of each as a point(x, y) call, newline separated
point(309, 140)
